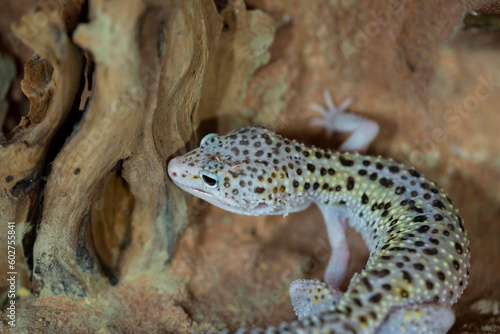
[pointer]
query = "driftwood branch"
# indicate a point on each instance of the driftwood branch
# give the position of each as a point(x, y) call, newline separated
point(51, 82)
point(92, 183)
point(117, 155)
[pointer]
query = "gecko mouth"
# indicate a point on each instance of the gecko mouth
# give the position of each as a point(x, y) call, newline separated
point(227, 203)
point(197, 190)
point(190, 189)
point(261, 206)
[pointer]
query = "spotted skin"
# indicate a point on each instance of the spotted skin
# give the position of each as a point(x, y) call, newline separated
point(419, 255)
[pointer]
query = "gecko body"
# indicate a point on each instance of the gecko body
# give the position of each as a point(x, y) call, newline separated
point(419, 261)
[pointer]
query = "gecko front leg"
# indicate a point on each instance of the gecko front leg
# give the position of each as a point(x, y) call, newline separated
point(306, 304)
point(363, 132)
point(338, 264)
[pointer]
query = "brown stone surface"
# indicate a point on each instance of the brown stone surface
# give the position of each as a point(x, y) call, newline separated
point(113, 252)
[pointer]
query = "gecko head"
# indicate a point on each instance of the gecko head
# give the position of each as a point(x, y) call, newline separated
point(243, 171)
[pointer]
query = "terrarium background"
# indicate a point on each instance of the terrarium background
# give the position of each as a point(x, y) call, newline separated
point(108, 243)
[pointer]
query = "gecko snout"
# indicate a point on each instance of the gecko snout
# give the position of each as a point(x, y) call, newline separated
point(173, 169)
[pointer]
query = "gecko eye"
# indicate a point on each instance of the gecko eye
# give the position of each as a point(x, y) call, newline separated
point(210, 179)
point(207, 137)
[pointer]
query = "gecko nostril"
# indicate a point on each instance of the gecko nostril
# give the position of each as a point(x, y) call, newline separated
point(174, 174)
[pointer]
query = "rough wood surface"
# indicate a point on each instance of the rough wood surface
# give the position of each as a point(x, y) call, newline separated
point(51, 81)
point(108, 244)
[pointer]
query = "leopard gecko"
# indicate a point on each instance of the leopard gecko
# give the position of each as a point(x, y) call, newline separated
point(419, 255)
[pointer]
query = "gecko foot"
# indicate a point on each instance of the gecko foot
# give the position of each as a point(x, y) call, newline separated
point(432, 319)
point(336, 119)
point(310, 297)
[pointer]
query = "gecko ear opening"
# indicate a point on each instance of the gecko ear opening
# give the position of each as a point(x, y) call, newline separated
point(210, 179)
